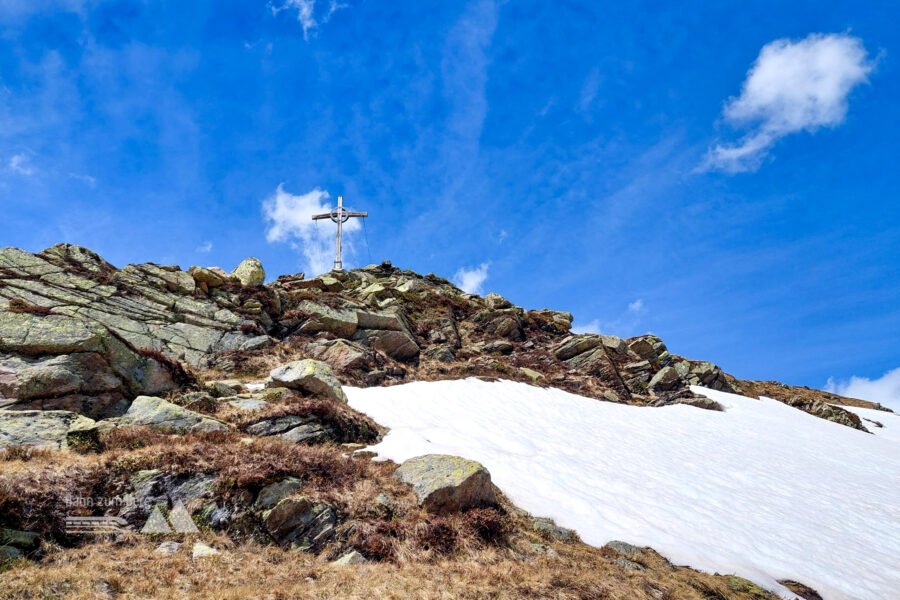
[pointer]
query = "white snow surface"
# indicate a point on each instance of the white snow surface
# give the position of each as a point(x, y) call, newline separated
point(761, 490)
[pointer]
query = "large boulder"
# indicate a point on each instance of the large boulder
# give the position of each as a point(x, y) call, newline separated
point(40, 428)
point(159, 414)
point(340, 322)
point(250, 272)
point(446, 483)
point(311, 376)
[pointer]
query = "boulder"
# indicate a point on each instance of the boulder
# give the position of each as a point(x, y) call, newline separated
point(311, 376)
point(250, 272)
point(298, 522)
point(446, 483)
point(340, 322)
point(40, 428)
point(306, 434)
point(440, 354)
point(398, 345)
point(157, 413)
point(206, 276)
point(390, 321)
point(575, 345)
point(665, 379)
point(614, 344)
point(493, 300)
point(498, 347)
point(341, 355)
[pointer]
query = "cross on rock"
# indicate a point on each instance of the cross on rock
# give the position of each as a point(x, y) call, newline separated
point(339, 215)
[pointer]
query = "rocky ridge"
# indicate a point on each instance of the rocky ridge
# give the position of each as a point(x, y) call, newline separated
point(78, 334)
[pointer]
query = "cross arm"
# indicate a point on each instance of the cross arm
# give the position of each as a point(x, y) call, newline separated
point(357, 214)
point(322, 216)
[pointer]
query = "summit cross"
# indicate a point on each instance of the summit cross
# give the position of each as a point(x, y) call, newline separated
point(339, 215)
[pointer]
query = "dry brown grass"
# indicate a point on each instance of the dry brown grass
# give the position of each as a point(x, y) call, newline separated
point(131, 569)
point(483, 553)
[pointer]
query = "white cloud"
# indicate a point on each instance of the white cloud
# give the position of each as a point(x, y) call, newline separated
point(793, 86)
point(885, 389)
point(625, 325)
point(87, 179)
point(205, 247)
point(592, 327)
point(289, 219)
point(306, 13)
point(471, 279)
point(22, 165)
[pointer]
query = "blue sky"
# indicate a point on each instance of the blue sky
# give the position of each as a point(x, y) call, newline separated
point(721, 174)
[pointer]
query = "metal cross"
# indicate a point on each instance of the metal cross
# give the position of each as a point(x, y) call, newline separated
point(339, 215)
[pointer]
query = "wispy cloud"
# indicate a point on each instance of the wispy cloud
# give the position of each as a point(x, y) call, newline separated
point(793, 86)
point(289, 219)
point(21, 164)
point(885, 389)
point(307, 14)
point(626, 324)
point(205, 247)
point(91, 182)
point(471, 279)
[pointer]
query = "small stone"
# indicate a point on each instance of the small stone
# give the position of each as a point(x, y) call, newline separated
point(249, 404)
point(9, 554)
point(201, 550)
point(531, 374)
point(351, 558)
point(168, 548)
point(549, 529)
point(544, 549)
point(628, 564)
point(624, 548)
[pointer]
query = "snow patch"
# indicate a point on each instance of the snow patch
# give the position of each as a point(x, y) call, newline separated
point(761, 490)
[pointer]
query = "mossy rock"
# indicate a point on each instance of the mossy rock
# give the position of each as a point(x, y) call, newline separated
point(446, 483)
